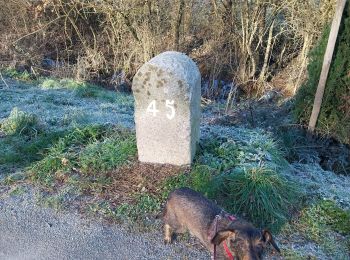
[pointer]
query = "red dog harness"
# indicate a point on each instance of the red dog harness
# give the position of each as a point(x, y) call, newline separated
point(227, 250)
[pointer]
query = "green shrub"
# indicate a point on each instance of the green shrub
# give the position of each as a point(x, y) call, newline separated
point(260, 193)
point(20, 123)
point(334, 117)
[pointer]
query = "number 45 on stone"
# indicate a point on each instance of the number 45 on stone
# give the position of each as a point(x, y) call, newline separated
point(169, 104)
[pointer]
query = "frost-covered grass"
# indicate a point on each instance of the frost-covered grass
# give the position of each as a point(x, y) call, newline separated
point(20, 123)
point(63, 107)
point(34, 114)
point(90, 150)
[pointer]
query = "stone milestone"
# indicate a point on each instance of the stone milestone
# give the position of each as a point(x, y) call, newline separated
point(167, 92)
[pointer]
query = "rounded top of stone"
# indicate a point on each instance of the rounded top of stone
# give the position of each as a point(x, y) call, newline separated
point(178, 64)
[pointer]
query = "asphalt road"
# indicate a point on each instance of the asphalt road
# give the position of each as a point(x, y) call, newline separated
point(28, 231)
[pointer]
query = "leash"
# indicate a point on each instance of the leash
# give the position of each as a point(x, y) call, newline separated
point(227, 250)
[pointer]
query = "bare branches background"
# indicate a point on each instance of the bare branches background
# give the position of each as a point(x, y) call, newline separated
point(249, 41)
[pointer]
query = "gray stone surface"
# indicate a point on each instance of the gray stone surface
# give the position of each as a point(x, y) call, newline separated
point(167, 109)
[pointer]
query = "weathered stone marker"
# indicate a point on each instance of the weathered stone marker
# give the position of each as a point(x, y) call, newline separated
point(167, 92)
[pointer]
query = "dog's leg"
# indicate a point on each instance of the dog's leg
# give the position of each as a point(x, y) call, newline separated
point(167, 234)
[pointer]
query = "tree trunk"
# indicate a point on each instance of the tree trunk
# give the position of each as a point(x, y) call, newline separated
point(326, 64)
point(177, 25)
point(267, 53)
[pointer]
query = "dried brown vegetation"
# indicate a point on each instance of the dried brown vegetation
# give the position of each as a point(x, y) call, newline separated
point(249, 42)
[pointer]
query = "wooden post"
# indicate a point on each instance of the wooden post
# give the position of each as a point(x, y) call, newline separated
point(326, 64)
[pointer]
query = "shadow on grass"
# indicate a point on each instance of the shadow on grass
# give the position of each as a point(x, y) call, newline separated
point(19, 151)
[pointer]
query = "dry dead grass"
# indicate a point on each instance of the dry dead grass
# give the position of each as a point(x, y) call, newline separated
point(137, 178)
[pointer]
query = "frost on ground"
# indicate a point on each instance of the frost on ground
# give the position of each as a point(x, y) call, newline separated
point(323, 184)
point(61, 108)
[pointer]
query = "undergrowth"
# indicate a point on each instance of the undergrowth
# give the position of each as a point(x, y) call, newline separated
point(324, 216)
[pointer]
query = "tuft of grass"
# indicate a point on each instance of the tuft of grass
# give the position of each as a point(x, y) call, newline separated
point(260, 193)
point(55, 202)
point(13, 178)
point(17, 191)
point(226, 148)
point(200, 179)
point(246, 175)
point(61, 157)
point(20, 123)
point(15, 74)
point(108, 154)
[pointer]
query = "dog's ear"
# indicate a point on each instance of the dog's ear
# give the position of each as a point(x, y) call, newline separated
point(222, 235)
point(267, 238)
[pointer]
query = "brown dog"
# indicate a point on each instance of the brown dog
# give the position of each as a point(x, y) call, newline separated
point(225, 236)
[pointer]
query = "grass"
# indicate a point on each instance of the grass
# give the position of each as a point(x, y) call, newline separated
point(247, 175)
point(89, 150)
point(108, 154)
point(52, 83)
point(20, 151)
point(325, 225)
point(63, 107)
point(244, 170)
point(260, 193)
point(80, 89)
point(289, 254)
point(324, 216)
point(17, 191)
point(20, 123)
point(13, 73)
point(145, 205)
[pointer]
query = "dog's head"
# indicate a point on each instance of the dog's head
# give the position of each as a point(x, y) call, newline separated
point(246, 242)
